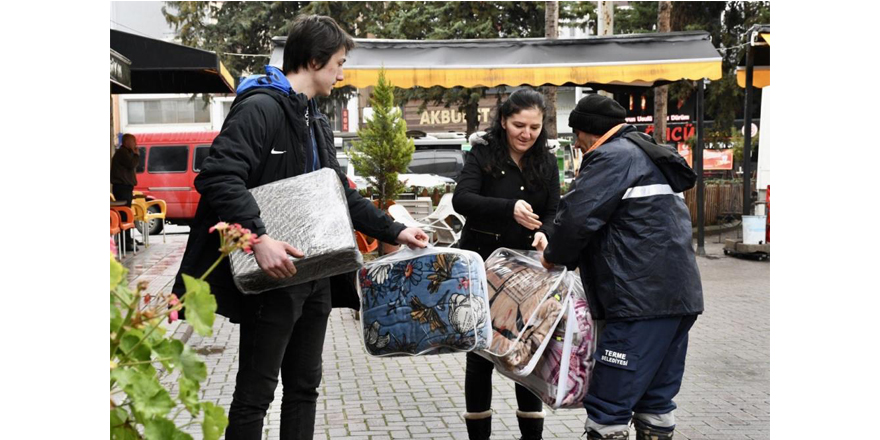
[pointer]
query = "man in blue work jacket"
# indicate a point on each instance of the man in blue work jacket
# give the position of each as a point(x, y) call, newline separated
point(625, 224)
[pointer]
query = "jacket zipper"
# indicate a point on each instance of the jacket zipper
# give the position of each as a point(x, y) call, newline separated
point(497, 236)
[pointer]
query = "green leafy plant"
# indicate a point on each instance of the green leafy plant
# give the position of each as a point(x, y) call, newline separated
point(383, 150)
point(141, 354)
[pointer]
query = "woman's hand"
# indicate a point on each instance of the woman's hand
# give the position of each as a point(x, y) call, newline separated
point(540, 241)
point(523, 214)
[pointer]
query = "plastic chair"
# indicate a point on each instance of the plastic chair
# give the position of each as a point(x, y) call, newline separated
point(144, 215)
point(364, 245)
point(400, 214)
point(140, 217)
point(437, 220)
point(115, 231)
point(125, 223)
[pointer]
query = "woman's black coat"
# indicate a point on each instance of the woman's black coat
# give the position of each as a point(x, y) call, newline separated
point(487, 203)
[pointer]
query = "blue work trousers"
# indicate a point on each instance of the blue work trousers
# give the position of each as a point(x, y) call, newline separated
point(639, 367)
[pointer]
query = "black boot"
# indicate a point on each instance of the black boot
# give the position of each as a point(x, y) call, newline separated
point(479, 425)
point(645, 431)
point(531, 424)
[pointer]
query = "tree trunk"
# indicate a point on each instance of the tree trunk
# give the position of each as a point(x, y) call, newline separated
point(606, 18)
point(605, 27)
point(661, 93)
point(551, 26)
point(471, 112)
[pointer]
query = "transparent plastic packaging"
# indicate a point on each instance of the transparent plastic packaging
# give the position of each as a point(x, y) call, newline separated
point(544, 337)
point(426, 301)
point(310, 212)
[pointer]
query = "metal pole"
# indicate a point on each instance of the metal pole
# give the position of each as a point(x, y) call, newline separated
point(747, 131)
point(698, 167)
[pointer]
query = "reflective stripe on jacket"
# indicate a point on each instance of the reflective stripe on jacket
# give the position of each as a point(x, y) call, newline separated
point(630, 234)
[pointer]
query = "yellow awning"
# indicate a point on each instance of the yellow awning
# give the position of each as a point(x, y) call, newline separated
point(226, 76)
point(606, 74)
point(766, 37)
point(636, 60)
point(760, 77)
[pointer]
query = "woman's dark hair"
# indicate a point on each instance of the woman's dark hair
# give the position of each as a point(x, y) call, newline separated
point(313, 38)
point(534, 162)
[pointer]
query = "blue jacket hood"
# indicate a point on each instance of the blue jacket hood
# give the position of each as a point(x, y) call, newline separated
point(273, 79)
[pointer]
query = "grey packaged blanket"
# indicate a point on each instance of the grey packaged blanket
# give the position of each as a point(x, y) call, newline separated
point(310, 212)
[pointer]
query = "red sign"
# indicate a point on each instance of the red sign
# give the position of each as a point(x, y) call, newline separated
point(718, 159)
point(345, 119)
point(677, 133)
point(712, 159)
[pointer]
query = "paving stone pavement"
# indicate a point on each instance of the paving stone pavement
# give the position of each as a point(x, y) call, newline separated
point(725, 394)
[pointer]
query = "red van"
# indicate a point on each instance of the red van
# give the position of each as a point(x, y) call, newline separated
point(169, 162)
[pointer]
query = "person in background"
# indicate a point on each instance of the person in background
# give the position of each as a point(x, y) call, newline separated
point(630, 234)
point(123, 176)
point(509, 191)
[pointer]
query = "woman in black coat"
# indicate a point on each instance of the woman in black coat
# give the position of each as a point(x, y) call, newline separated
point(508, 191)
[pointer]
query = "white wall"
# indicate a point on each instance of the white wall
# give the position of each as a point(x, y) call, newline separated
point(216, 112)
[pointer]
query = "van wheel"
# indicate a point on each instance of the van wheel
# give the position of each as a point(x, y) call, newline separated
point(155, 226)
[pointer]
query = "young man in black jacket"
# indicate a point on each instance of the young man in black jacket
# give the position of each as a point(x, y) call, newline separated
point(630, 234)
point(272, 132)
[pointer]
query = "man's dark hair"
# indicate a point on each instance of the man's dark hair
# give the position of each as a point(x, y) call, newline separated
point(313, 38)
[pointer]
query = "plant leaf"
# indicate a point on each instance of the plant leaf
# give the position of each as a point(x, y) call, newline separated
point(130, 341)
point(117, 273)
point(169, 349)
point(193, 367)
point(118, 429)
point(200, 305)
point(215, 421)
point(149, 397)
point(189, 395)
point(164, 429)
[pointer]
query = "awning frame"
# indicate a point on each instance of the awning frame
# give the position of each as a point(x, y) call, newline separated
point(639, 59)
point(163, 67)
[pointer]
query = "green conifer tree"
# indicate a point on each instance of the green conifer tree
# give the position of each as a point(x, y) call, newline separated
point(384, 149)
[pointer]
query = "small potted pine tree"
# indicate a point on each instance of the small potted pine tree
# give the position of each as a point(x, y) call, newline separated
point(383, 150)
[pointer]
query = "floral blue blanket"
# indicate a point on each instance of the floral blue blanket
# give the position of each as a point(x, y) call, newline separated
point(429, 301)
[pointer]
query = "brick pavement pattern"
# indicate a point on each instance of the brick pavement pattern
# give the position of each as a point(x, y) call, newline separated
point(725, 395)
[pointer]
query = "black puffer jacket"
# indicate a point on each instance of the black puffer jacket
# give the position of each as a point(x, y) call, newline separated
point(262, 120)
point(630, 235)
point(487, 203)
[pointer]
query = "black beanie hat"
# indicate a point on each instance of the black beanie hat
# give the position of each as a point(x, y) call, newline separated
point(596, 114)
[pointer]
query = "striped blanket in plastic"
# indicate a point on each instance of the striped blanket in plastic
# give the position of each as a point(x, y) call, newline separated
point(545, 325)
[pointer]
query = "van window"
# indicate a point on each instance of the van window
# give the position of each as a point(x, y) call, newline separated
point(142, 159)
point(171, 159)
point(421, 163)
point(444, 166)
point(199, 155)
